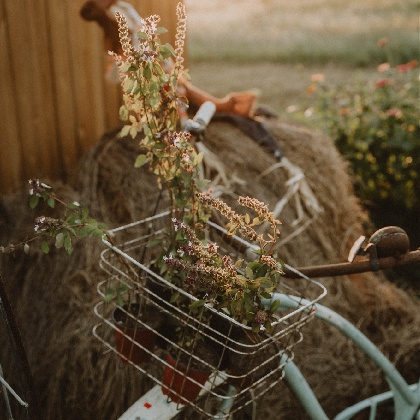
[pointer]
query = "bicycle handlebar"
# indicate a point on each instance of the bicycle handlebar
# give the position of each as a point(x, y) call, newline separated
point(201, 119)
point(362, 266)
point(388, 247)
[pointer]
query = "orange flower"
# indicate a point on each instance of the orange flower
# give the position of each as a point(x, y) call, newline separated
point(402, 68)
point(344, 111)
point(311, 88)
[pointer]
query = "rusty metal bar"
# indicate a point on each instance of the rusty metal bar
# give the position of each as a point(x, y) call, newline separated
point(361, 266)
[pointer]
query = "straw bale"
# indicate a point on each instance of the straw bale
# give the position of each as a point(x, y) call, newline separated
point(53, 295)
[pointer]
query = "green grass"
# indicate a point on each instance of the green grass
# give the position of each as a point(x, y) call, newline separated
point(355, 50)
point(305, 31)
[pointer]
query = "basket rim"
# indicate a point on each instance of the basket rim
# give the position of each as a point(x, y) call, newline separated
point(304, 305)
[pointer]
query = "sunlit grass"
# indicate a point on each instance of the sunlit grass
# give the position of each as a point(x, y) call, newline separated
point(305, 31)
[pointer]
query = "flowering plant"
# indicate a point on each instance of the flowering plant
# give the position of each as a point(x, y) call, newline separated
point(376, 127)
point(73, 222)
point(233, 287)
point(153, 106)
point(152, 110)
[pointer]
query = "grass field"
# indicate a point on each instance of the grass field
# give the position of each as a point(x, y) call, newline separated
point(276, 45)
point(305, 31)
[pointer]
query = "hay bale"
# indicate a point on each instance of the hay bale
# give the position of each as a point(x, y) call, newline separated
point(54, 295)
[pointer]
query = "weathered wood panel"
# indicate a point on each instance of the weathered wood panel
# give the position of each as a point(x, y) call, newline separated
point(55, 102)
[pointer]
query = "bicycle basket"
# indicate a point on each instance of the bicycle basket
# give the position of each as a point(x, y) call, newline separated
point(218, 359)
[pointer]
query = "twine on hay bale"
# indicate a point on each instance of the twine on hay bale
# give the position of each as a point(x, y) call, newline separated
point(53, 295)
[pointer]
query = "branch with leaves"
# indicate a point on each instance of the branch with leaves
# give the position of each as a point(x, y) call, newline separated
point(73, 223)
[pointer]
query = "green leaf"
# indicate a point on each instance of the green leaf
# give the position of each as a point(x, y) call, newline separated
point(248, 272)
point(174, 297)
point(256, 328)
point(202, 183)
point(141, 35)
point(123, 113)
point(167, 50)
point(133, 131)
point(161, 30)
point(158, 69)
point(128, 85)
point(127, 66)
point(72, 206)
point(109, 296)
point(140, 161)
point(68, 246)
point(44, 247)
point(147, 72)
point(265, 283)
point(153, 242)
point(238, 264)
point(51, 202)
point(197, 304)
point(59, 240)
point(125, 130)
point(121, 288)
point(33, 201)
point(275, 305)
point(120, 301)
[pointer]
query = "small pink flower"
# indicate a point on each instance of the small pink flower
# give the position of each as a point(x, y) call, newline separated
point(318, 77)
point(394, 112)
point(383, 67)
point(382, 83)
point(382, 42)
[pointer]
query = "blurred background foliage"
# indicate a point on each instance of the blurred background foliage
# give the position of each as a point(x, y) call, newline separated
point(349, 68)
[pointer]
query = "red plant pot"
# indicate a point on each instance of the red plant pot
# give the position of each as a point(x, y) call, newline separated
point(141, 339)
point(178, 385)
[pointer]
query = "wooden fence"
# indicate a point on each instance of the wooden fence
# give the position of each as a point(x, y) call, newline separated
point(55, 102)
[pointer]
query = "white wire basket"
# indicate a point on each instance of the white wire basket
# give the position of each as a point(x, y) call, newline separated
point(230, 363)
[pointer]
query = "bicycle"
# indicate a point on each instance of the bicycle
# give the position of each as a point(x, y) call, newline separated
point(221, 386)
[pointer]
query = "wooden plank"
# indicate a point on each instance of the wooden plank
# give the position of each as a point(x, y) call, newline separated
point(44, 139)
point(32, 89)
point(87, 66)
point(63, 84)
point(20, 61)
point(11, 172)
point(55, 102)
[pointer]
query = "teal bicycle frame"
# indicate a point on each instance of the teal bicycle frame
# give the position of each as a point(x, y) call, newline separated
point(406, 398)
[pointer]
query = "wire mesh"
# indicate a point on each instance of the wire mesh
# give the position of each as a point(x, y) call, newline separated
point(216, 361)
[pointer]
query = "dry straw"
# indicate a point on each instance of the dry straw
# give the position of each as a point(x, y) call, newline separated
point(53, 295)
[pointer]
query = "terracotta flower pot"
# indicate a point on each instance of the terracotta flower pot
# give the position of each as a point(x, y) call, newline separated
point(142, 338)
point(178, 386)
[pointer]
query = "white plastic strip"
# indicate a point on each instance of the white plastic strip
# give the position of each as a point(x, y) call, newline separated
point(11, 390)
